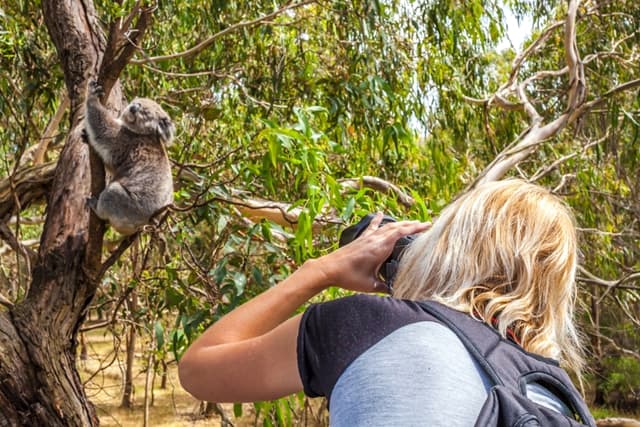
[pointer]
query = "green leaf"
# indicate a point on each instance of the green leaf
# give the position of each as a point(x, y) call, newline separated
point(178, 342)
point(237, 410)
point(159, 331)
point(239, 281)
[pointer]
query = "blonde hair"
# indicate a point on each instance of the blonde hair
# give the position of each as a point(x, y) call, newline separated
point(505, 252)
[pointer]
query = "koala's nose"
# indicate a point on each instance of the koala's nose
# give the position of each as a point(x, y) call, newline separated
point(134, 107)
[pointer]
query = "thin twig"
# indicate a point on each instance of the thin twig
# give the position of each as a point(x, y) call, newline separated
point(206, 43)
point(591, 278)
point(549, 168)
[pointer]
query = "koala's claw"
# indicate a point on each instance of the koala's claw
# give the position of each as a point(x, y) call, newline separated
point(95, 89)
point(92, 203)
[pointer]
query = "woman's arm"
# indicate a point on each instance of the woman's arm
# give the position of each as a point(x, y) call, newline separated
point(250, 354)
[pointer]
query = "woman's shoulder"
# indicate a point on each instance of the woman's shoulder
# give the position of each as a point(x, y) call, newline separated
point(378, 304)
point(375, 300)
point(361, 310)
point(333, 334)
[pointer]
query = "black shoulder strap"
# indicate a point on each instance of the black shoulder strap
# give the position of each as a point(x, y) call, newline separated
point(510, 362)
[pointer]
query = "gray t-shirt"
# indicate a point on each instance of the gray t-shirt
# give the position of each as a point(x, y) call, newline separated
point(385, 362)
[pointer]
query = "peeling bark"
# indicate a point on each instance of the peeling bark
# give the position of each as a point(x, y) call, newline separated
point(39, 382)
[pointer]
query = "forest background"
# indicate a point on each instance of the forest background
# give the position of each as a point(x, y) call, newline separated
point(295, 118)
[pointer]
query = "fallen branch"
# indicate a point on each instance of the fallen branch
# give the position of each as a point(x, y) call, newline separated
point(617, 422)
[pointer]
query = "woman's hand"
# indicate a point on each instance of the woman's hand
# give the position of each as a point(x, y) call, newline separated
point(355, 266)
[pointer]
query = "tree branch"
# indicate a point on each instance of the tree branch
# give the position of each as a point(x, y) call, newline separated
point(6, 301)
point(37, 151)
point(287, 215)
point(27, 185)
point(14, 243)
point(588, 277)
point(283, 214)
point(618, 348)
point(537, 133)
point(122, 43)
point(380, 185)
point(628, 312)
point(115, 255)
point(530, 50)
point(206, 43)
point(499, 98)
point(542, 172)
point(611, 92)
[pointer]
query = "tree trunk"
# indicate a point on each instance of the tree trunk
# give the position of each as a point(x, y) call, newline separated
point(163, 377)
point(39, 382)
point(83, 348)
point(127, 393)
point(596, 346)
point(148, 383)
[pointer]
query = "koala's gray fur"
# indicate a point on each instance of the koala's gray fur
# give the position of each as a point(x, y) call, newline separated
point(132, 150)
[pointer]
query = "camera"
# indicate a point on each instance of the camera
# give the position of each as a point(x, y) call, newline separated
point(389, 268)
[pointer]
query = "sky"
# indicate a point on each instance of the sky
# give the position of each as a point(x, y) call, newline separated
point(516, 32)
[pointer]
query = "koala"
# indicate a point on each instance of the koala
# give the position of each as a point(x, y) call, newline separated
point(132, 148)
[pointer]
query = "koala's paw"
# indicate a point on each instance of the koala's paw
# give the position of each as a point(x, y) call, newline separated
point(95, 89)
point(92, 203)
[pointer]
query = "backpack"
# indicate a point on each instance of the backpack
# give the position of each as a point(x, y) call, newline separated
point(510, 369)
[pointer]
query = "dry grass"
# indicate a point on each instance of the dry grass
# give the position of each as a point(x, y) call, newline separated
point(102, 373)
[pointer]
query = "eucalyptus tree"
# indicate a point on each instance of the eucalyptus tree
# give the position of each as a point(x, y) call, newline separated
point(293, 119)
point(563, 111)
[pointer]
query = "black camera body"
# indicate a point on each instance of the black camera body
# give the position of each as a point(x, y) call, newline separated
point(390, 266)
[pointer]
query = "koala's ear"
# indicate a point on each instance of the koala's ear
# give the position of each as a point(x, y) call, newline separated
point(166, 130)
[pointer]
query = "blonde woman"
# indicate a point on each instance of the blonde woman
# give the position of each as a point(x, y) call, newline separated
point(504, 253)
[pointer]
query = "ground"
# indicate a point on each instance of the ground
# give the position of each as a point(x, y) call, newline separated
point(102, 372)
